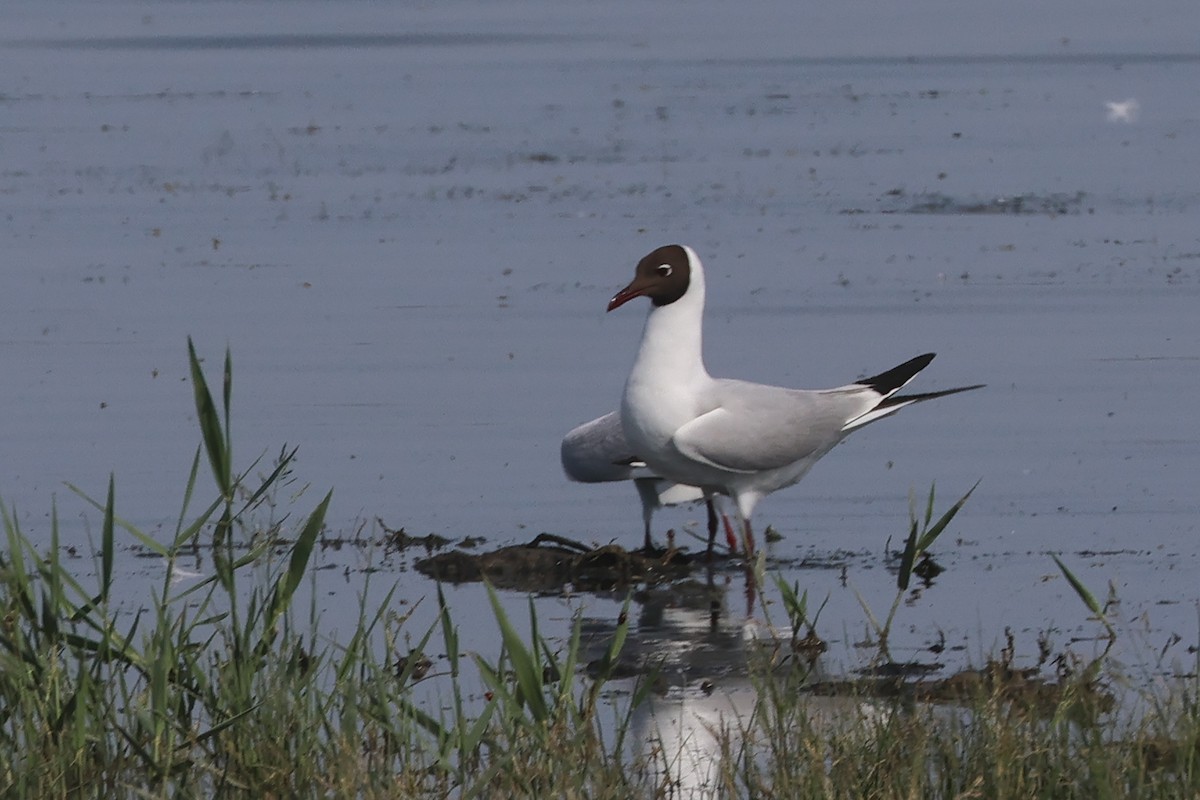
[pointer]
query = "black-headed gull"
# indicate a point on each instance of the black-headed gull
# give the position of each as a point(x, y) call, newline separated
point(596, 452)
point(741, 439)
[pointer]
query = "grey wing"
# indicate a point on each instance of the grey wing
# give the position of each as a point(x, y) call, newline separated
point(596, 451)
point(756, 427)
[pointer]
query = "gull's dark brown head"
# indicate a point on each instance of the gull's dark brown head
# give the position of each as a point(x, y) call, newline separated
point(663, 276)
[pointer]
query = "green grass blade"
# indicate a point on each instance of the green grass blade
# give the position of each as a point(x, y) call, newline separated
point(906, 560)
point(269, 481)
point(795, 604)
point(210, 425)
point(528, 675)
point(874, 622)
point(484, 782)
point(470, 741)
point(612, 654)
point(16, 547)
point(129, 527)
point(298, 563)
point(226, 723)
point(424, 720)
point(929, 505)
point(931, 535)
point(449, 632)
point(197, 525)
point(1085, 595)
point(53, 594)
point(508, 700)
point(228, 393)
point(566, 671)
point(188, 490)
point(106, 543)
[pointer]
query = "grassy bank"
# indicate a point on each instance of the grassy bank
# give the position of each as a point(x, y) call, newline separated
point(228, 688)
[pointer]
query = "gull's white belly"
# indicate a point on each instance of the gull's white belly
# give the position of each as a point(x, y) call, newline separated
point(650, 414)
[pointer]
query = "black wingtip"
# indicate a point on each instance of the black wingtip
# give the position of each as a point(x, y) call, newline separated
point(891, 381)
point(909, 399)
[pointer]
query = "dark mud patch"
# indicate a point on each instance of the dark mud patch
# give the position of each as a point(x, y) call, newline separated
point(552, 563)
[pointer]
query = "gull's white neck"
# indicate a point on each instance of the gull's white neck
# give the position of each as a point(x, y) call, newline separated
point(671, 352)
point(668, 386)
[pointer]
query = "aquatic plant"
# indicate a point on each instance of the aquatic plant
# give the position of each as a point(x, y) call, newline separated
point(922, 533)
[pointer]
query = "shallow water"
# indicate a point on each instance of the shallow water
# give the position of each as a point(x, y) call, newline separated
point(406, 221)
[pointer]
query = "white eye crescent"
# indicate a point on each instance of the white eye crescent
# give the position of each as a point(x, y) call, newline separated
point(664, 270)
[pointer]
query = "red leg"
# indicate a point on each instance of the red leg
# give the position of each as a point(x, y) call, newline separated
point(730, 536)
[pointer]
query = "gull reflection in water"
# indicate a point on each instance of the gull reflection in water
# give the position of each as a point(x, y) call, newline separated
point(698, 658)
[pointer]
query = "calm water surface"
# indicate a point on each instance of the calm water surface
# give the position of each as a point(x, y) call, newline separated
point(405, 221)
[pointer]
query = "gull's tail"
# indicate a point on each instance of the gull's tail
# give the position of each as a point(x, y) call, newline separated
point(892, 381)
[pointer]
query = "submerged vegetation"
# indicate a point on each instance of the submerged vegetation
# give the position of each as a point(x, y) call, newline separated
point(227, 688)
